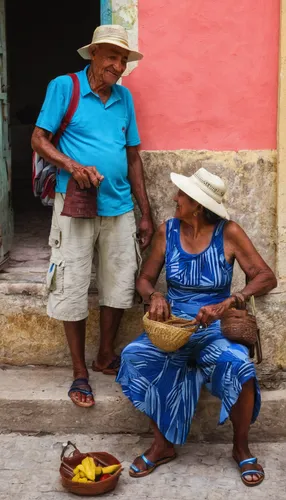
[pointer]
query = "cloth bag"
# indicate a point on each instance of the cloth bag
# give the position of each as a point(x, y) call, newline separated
point(80, 203)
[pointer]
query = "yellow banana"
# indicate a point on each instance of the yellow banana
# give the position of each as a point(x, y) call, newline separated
point(83, 480)
point(98, 471)
point(79, 468)
point(110, 469)
point(76, 478)
point(89, 468)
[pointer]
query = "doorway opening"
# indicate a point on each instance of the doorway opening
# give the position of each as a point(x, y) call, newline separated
point(42, 43)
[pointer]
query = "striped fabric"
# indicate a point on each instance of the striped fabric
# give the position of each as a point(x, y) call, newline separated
point(166, 386)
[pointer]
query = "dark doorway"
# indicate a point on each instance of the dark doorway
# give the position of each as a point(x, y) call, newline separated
point(42, 43)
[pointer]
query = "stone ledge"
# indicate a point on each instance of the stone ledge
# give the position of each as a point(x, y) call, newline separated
point(34, 400)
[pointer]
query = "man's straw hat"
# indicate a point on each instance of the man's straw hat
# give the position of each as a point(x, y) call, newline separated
point(113, 34)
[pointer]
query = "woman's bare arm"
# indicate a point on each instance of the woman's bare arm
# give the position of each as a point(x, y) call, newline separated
point(151, 269)
point(238, 245)
point(159, 308)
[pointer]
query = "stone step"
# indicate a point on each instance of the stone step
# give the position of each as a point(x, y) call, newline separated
point(34, 400)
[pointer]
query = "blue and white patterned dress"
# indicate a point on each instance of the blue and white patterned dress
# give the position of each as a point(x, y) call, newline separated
point(166, 386)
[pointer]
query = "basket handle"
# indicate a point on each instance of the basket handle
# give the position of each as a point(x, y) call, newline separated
point(66, 446)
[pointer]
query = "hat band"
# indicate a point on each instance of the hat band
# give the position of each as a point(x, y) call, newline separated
point(205, 188)
point(209, 186)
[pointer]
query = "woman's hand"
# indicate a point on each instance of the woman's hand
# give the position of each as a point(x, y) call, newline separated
point(213, 312)
point(159, 308)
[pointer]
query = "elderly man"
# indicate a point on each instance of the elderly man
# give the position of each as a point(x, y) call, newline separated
point(98, 147)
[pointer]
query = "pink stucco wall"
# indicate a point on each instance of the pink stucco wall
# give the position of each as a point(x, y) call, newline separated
point(209, 76)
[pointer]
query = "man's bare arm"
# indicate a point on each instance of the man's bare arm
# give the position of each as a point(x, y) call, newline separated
point(85, 176)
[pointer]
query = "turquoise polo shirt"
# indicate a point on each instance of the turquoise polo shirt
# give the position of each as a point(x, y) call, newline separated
point(96, 136)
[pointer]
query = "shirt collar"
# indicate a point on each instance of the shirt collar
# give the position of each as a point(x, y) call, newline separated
point(85, 88)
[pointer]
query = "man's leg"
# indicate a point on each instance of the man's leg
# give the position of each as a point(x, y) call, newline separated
point(68, 279)
point(109, 323)
point(75, 333)
point(116, 270)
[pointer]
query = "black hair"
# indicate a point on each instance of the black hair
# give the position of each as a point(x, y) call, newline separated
point(210, 216)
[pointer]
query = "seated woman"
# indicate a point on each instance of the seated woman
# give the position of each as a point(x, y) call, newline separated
point(198, 247)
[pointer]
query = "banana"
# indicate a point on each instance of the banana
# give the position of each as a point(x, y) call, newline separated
point(110, 469)
point(79, 468)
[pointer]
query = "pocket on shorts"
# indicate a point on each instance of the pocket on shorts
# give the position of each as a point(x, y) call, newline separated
point(55, 276)
point(55, 237)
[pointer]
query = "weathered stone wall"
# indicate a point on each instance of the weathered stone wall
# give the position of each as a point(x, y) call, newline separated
point(29, 337)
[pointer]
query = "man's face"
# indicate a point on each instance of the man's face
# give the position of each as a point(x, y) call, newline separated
point(109, 62)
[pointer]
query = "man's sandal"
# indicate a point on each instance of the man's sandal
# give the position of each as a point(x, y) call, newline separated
point(134, 471)
point(82, 386)
point(250, 472)
point(111, 369)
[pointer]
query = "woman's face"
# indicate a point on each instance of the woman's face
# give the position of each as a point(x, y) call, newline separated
point(186, 206)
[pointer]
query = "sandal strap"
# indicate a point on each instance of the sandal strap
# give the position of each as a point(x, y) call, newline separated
point(82, 391)
point(133, 467)
point(247, 461)
point(147, 461)
point(115, 363)
point(252, 471)
point(80, 381)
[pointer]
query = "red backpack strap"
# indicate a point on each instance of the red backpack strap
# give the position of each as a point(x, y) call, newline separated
point(71, 109)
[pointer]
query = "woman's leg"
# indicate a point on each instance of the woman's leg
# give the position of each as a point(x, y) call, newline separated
point(230, 376)
point(159, 449)
point(241, 416)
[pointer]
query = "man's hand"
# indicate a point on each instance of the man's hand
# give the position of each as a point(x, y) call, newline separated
point(146, 231)
point(85, 176)
point(213, 312)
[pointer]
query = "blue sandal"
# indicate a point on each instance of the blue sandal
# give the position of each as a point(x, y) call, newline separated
point(134, 471)
point(79, 385)
point(251, 471)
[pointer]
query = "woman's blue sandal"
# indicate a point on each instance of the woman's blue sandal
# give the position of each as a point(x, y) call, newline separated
point(82, 386)
point(134, 471)
point(248, 472)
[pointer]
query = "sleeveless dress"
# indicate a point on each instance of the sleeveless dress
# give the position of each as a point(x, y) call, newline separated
point(166, 386)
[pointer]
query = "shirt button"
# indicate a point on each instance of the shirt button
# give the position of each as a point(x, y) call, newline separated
point(56, 242)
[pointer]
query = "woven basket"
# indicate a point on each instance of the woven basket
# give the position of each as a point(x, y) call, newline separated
point(170, 335)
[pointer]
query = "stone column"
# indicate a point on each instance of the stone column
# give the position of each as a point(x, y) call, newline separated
point(281, 167)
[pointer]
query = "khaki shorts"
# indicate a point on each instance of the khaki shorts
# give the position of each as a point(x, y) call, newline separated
point(108, 241)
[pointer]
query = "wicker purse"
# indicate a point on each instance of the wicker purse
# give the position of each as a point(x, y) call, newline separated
point(240, 326)
point(171, 334)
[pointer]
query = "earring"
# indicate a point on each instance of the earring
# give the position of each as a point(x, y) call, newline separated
point(195, 214)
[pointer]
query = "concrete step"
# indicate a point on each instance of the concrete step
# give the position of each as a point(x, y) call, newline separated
point(35, 400)
point(30, 469)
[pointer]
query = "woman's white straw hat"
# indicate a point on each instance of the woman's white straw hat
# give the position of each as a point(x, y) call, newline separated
point(113, 34)
point(205, 188)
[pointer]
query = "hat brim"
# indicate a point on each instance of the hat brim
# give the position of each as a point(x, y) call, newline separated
point(132, 56)
point(186, 185)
